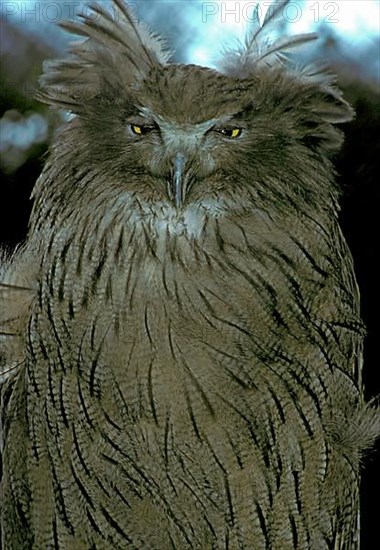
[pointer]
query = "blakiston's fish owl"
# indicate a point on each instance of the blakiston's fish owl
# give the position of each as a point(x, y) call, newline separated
point(181, 339)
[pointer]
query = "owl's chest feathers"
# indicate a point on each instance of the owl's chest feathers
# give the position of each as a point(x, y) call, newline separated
point(152, 249)
point(198, 270)
point(196, 307)
point(161, 256)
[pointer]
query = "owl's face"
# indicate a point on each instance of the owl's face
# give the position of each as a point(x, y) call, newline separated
point(188, 135)
point(182, 135)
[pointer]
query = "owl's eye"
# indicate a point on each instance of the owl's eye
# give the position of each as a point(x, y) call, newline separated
point(231, 132)
point(140, 130)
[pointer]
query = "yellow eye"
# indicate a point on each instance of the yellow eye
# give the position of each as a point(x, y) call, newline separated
point(140, 130)
point(137, 129)
point(231, 132)
point(236, 132)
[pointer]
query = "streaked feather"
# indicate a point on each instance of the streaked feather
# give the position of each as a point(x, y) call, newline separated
point(16, 296)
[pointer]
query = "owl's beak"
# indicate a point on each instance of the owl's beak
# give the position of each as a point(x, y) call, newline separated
point(177, 183)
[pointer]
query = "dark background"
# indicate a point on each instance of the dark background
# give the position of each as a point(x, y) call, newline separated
point(26, 128)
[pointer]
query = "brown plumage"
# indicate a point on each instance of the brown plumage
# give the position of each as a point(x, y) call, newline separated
point(181, 339)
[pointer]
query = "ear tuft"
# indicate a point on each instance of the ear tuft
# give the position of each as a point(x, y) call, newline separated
point(259, 50)
point(324, 108)
point(116, 51)
point(329, 103)
point(331, 106)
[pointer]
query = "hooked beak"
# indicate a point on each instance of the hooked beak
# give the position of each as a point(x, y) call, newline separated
point(177, 182)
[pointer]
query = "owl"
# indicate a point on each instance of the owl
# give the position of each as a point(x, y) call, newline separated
point(181, 342)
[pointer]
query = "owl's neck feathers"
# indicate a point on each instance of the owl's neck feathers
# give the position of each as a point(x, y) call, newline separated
point(164, 220)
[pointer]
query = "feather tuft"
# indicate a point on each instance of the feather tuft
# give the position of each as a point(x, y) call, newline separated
point(117, 50)
point(259, 50)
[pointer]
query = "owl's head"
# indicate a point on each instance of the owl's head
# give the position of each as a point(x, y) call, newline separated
point(185, 134)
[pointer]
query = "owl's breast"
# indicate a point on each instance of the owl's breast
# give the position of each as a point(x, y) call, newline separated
point(203, 319)
point(170, 300)
point(195, 375)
